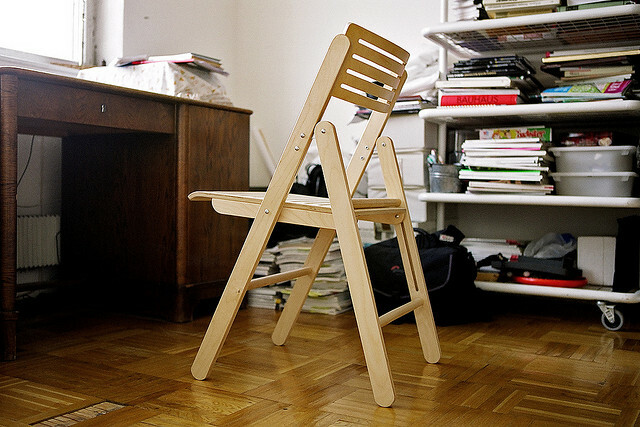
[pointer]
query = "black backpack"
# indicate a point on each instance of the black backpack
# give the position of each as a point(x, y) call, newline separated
point(315, 186)
point(449, 271)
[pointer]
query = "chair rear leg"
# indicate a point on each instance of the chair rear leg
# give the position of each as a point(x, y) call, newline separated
point(410, 255)
point(302, 286)
point(418, 289)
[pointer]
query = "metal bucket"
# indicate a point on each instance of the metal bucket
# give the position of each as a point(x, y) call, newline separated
point(444, 179)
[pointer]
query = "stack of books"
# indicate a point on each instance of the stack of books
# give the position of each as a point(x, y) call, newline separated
point(497, 80)
point(267, 264)
point(593, 4)
point(507, 8)
point(467, 10)
point(503, 163)
point(408, 104)
point(482, 248)
point(190, 59)
point(329, 293)
point(591, 74)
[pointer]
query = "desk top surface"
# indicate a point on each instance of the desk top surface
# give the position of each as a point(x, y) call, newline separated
point(28, 74)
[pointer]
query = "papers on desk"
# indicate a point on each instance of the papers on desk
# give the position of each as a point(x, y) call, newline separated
point(192, 59)
point(166, 78)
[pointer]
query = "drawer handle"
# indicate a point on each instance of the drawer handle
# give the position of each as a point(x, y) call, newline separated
point(103, 108)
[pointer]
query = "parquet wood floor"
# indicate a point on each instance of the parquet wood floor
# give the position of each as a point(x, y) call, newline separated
point(535, 363)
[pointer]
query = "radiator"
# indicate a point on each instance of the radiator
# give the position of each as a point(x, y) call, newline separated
point(37, 241)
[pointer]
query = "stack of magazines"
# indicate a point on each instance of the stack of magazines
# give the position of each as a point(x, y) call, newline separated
point(496, 80)
point(499, 164)
point(591, 74)
point(508, 8)
point(329, 293)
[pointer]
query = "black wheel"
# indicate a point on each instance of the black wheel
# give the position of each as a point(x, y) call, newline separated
point(618, 321)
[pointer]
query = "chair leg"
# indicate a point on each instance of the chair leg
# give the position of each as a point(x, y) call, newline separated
point(355, 265)
point(231, 298)
point(302, 286)
point(418, 289)
point(218, 328)
point(364, 307)
point(410, 255)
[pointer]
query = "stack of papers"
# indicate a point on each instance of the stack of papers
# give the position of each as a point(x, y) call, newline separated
point(482, 248)
point(329, 293)
point(506, 165)
point(592, 74)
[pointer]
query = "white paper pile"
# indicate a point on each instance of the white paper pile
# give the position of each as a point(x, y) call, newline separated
point(329, 293)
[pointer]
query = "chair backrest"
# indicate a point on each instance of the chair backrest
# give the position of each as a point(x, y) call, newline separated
point(371, 72)
point(362, 68)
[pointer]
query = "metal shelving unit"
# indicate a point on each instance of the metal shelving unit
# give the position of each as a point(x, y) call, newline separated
point(607, 26)
point(517, 199)
point(610, 26)
point(558, 113)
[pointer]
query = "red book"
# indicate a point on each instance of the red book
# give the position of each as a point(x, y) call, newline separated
point(478, 97)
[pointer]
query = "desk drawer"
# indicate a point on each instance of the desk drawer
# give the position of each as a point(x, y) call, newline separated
point(66, 104)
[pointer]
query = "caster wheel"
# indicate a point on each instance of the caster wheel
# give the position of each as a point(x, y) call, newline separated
point(618, 321)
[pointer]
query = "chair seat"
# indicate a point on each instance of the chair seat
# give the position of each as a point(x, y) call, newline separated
point(300, 209)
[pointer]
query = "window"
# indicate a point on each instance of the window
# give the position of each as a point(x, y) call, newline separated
point(41, 31)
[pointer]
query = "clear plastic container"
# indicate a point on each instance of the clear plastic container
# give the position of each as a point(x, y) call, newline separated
point(594, 159)
point(597, 184)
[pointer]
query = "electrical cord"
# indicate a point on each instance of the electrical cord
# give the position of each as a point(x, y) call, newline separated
point(33, 137)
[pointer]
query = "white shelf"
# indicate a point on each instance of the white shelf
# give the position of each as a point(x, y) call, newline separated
point(616, 25)
point(544, 200)
point(614, 109)
point(609, 26)
point(589, 293)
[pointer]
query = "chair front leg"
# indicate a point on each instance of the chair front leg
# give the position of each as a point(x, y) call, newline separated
point(232, 297)
point(355, 265)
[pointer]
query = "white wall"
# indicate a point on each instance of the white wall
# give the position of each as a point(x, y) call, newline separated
point(272, 48)
point(283, 43)
point(105, 28)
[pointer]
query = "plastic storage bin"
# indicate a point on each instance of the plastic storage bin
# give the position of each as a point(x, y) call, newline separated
point(597, 184)
point(594, 159)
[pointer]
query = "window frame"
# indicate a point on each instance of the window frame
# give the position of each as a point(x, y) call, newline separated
point(17, 58)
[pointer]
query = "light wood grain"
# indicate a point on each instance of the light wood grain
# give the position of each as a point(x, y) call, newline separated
point(349, 72)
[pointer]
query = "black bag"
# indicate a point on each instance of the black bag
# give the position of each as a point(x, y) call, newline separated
point(626, 274)
point(315, 186)
point(449, 271)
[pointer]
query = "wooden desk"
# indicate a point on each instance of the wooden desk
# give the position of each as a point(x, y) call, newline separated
point(129, 159)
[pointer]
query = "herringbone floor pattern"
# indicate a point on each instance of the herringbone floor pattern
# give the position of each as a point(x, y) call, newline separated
point(535, 363)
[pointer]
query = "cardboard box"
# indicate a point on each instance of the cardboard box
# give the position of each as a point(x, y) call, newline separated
point(417, 208)
point(411, 164)
point(406, 131)
point(596, 259)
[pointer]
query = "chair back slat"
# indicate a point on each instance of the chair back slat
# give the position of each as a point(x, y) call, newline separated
point(362, 100)
point(357, 32)
point(373, 73)
point(366, 54)
point(372, 69)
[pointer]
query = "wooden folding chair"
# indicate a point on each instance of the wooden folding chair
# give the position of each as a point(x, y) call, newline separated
point(364, 69)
